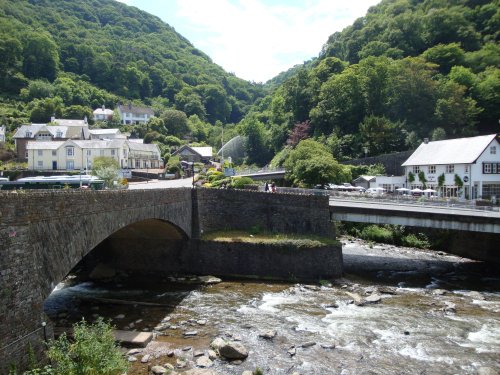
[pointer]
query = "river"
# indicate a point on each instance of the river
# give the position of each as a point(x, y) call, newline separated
point(432, 313)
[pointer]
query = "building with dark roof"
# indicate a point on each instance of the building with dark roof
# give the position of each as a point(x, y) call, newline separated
point(132, 114)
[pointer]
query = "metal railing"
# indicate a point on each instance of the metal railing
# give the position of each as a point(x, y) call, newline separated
point(390, 199)
point(262, 170)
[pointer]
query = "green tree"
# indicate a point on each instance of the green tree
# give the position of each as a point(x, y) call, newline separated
point(380, 135)
point(106, 168)
point(445, 56)
point(41, 57)
point(256, 148)
point(175, 122)
point(310, 163)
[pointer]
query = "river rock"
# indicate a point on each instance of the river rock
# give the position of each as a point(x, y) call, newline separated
point(190, 333)
point(328, 346)
point(132, 359)
point(358, 300)
point(209, 280)
point(134, 351)
point(292, 351)
point(187, 348)
point(198, 353)
point(439, 292)
point(169, 366)
point(487, 371)
point(268, 335)
point(475, 295)
point(200, 371)
point(312, 287)
point(120, 316)
point(157, 370)
point(162, 327)
point(170, 353)
point(308, 344)
point(211, 354)
point(333, 305)
point(180, 363)
point(204, 361)
point(146, 358)
point(217, 343)
point(247, 372)
point(450, 308)
point(374, 298)
point(201, 322)
point(233, 350)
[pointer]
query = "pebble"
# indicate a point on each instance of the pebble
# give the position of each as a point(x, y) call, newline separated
point(212, 354)
point(374, 298)
point(134, 351)
point(201, 322)
point(187, 348)
point(132, 359)
point(146, 358)
point(204, 361)
point(158, 370)
point(198, 353)
point(292, 351)
point(268, 335)
point(308, 344)
point(190, 333)
point(328, 346)
point(170, 353)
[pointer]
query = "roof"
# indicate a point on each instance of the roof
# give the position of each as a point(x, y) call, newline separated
point(450, 151)
point(100, 144)
point(104, 131)
point(105, 111)
point(365, 178)
point(129, 108)
point(65, 131)
point(150, 147)
point(64, 122)
point(51, 145)
point(204, 152)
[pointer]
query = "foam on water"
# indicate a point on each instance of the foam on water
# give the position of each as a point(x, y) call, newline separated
point(271, 301)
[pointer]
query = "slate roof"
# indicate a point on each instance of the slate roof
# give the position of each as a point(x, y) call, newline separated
point(64, 122)
point(104, 131)
point(128, 108)
point(105, 111)
point(51, 145)
point(450, 151)
point(204, 152)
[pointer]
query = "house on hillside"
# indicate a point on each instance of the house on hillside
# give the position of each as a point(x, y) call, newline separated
point(132, 114)
point(103, 114)
point(80, 154)
point(194, 154)
point(106, 134)
point(2, 135)
point(469, 167)
point(63, 130)
point(364, 181)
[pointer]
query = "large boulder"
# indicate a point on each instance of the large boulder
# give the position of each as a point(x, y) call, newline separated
point(233, 350)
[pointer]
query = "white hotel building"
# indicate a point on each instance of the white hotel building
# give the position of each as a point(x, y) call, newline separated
point(79, 154)
point(475, 161)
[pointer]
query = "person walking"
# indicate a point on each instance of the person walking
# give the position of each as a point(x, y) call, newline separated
point(266, 188)
point(273, 187)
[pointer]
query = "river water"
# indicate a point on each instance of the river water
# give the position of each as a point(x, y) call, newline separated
point(437, 314)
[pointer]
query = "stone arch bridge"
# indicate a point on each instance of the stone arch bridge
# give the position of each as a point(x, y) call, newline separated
point(43, 235)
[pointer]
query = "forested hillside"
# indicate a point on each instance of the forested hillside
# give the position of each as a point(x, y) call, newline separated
point(408, 70)
point(68, 57)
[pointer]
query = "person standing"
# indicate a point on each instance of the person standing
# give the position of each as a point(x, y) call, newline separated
point(273, 187)
point(266, 188)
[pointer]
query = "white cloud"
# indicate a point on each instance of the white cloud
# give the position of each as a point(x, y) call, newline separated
point(257, 41)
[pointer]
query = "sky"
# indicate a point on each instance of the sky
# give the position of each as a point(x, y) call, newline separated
point(257, 39)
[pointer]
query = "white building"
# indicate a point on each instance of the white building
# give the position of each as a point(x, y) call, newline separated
point(389, 183)
point(472, 162)
point(131, 114)
point(2, 134)
point(103, 114)
point(106, 134)
point(80, 154)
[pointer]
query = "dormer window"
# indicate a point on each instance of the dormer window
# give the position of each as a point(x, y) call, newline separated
point(493, 150)
point(59, 134)
point(28, 134)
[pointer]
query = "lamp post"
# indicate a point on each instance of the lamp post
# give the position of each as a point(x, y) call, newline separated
point(192, 171)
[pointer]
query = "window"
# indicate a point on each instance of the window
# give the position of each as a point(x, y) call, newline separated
point(450, 168)
point(54, 152)
point(89, 152)
point(490, 190)
point(59, 134)
point(113, 152)
point(416, 169)
point(101, 152)
point(466, 169)
point(137, 163)
point(40, 163)
point(493, 150)
point(70, 164)
point(432, 169)
point(70, 151)
point(40, 152)
point(491, 168)
point(28, 134)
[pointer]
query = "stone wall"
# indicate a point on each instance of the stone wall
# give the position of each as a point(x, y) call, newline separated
point(45, 234)
point(219, 209)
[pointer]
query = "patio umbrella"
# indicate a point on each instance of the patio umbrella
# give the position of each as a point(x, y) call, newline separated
point(417, 190)
point(429, 191)
point(403, 189)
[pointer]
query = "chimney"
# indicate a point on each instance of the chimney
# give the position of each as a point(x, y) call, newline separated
point(103, 107)
point(426, 140)
point(85, 119)
point(53, 117)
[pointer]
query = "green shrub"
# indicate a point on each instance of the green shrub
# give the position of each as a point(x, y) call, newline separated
point(93, 351)
point(240, 182)
point(377, 234)
point(419, 241)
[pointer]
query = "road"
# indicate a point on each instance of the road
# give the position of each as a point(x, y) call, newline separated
point(161, 184)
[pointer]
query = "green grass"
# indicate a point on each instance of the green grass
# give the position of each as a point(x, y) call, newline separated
point(269, 238)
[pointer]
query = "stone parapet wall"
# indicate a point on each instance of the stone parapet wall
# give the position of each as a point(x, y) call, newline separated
point(220, 209)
